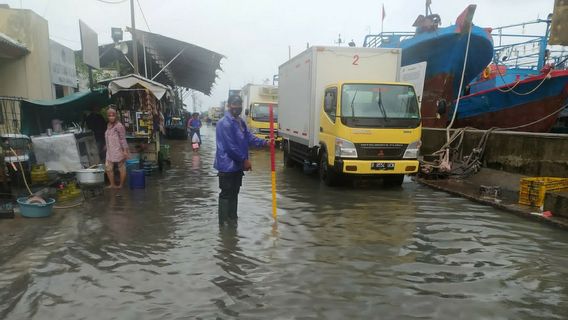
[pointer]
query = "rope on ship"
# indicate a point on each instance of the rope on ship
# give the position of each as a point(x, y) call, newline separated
point(452, 162)
point(511, 89)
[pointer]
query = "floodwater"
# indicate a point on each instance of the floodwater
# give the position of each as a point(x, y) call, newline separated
point(357, 252)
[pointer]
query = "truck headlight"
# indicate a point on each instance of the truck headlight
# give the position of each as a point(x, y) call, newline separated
point(345, 149)
point(412, 150)
point(253, 130)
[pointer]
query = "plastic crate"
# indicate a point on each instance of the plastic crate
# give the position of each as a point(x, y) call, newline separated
point(533, 190)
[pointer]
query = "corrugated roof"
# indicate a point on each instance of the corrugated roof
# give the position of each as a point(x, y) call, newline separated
point(194, 67)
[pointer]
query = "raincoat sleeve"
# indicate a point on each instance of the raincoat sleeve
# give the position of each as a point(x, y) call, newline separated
point(230, 144)
point(254, 141)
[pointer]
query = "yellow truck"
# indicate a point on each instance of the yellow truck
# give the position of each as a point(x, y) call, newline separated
point(345, 111)
point(256, 101)
point(215, 114)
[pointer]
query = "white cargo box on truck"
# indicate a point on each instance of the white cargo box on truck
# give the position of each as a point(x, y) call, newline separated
point(302, 81)
point(259, 93)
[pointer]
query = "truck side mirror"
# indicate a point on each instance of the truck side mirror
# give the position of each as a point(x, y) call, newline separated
point(247, 112)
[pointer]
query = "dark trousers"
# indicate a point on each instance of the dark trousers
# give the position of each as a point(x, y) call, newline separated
point(230, 185)
point(101, 149)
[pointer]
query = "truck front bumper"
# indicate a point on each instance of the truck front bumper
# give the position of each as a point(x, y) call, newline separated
point(365, 167)
point(267, 137)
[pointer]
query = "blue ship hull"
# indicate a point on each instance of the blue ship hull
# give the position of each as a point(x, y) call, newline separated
point(517, 104)
point(443, 49)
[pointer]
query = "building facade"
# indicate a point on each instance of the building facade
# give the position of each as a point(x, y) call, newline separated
point(27, 76)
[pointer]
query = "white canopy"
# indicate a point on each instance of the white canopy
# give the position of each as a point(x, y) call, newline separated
point(126, 83)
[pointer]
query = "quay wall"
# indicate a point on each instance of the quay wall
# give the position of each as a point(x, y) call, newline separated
point(531, 154)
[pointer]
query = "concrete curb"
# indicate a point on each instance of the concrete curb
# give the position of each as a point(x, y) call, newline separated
point(516, 209)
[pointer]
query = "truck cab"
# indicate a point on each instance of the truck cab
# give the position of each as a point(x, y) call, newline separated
point(369, 129)
point(258, 119)
point(346, 112)
point(257, 99)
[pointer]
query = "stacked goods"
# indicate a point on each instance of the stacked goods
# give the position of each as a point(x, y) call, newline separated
point(533, 190)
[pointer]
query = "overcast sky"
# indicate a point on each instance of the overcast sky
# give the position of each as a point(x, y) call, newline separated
point(254, 35)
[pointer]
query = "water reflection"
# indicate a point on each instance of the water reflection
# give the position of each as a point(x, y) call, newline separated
point(122, 224)
point(230, 258)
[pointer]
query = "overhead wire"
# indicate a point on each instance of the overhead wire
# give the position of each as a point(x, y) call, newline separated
point(143, 16)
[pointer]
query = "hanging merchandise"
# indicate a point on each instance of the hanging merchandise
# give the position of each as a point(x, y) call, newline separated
point(139, 104)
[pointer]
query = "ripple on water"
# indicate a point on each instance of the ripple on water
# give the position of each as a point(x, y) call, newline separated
point(352, 252)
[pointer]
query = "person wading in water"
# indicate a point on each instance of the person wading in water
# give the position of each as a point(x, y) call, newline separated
point(232, 158)
point(116, 148)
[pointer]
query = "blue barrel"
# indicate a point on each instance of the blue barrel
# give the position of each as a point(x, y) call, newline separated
point(137, 179)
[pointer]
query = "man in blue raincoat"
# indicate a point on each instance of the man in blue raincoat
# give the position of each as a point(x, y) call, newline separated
point(232, 157)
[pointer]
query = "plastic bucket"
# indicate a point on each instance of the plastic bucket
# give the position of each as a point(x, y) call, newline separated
point(150, 167)
point(132, 164)
point(137, 179)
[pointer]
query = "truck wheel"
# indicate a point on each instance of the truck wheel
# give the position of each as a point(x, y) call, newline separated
point(327, 174)
point(288, 162)
point(393, 181)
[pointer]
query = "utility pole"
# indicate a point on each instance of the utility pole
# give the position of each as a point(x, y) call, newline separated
point(194, 100)
point(134, 38)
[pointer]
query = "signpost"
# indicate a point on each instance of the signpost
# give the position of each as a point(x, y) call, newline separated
point(90, 49)
point(62, 65)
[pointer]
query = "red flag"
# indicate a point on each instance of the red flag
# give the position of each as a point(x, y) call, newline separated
point(384, 14)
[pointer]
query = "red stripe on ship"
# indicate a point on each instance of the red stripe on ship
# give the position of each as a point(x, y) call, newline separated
point(518, 115)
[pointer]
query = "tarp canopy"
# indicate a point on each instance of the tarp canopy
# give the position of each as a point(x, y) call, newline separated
point(133, 81)
point(190, 66)
point(36, 115)
point(184, 64)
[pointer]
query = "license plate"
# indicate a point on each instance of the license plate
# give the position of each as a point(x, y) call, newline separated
point(382, 166)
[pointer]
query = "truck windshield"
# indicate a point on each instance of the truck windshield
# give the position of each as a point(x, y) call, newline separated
point(261, 112)
point(385, 105)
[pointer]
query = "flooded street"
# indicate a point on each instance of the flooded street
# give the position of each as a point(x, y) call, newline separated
point(347, 253)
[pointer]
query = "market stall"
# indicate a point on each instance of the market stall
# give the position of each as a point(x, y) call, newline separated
point(37, 116)
point(139, 103)
point(59, 139)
